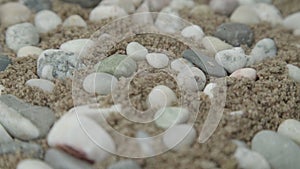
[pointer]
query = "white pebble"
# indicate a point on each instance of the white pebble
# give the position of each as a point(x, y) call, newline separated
point(74, 21)
point(297, 32)
point(245, 14)
point(291, 129)
point(105, 12)
point(294, 72)
point(43, 84)
point(250, 2)
point(100, 83)
point(46, 21)
point(158, 5)
point(157, 60)
point(136, 51)
point(168, 21)
point(248, 159)
point(192, 79)
point(248, 73)
point(161, 96)
point(169, 116)
point(29, 51)
point(237, 113)
point(195, 32)
point(292, 21)
point(77, 46)
point(180, 64)
point(224, 7)
point(5, 137)
point(214, 45)
point(33, 164)
point(181, 4)
point(13, 13)
point(268, 13)
point(208, 90)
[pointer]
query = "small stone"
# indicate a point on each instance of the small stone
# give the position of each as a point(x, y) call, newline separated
point(157, 60)
point(248, 159)
point(214, 44)
point(4, 62)
point(136, 51)
point(29, 51)
point(168, 21)
point(99, 83)
point(42, 84)
point(208, 90)
point(232, 59)
point(161, 96)
point(235, 34)
point(105, 12)
point(61, 160)
point(78, 46)
point(268, 13)
point(180, 64)
point(181, 4)
point(33, 164)
point(246, 15)
point(30, 149)
point(13, 13)
point(46, 21)
point(191, 79)
point(74, 21)
point(124, 164)
point(201, 10)
point(294, 72)
point(224, 7)
point(297, 32)
point(117, 65)
point(143, 15)
point(291, 129)
point(37, 5)
point(276, 148)
point(20, 35)
point(158, 5)
point(84, 3)
point(195, 32)
point(237, 113)
point(248, 73)
point(5, 137)
point(179, 137)
point(170, 116)
point(250, 2)
point(292, 21)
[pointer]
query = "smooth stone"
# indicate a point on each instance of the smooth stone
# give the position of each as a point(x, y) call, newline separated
point(136, 51)
point(251, 2)
point(20, 35)
point(214, 45)
point(191, 79)
point(292, 21)
point(232, 59)
point(37, 5)
point(202, 9)
point(157, 60)
point(291, 129)
point(235, 34)
point(69, 133)
point(208, 90)
point(195, 32)
point(13, 13)
point(170, 116)
point(248, 159)
point(4, 62)
point(240, 144)
point(246, 15)
point(205, 63)
point(42, 84)
point(274, 147)
point(224, 7)
point(180, 64)
point(161, 96)
point(105, 12)
point(46, 21)
point(145, 145)
point(29, 51)
point(33, 164)
point(117, 65)
point(181, 4)
point(248, 73)
point(124, 164)
point(74, 21)
point(32, 149)
point(168, 21)
point(5, 137)
point(1, 89)
point(158, 5)
point(78, 46)
point(143, 15)
point(61, 160)
point(294, 72)
point(84, 3)
point(54, 63)
point(179, 137)
point(127, 5)
point(99, 83)
point(268, 13)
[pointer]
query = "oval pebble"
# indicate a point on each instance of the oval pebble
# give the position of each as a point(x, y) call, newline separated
point(168, 21)
point(74, 21)
point(13, 13)
point(224, 7)
point(99, 83)
point(105, 12)
point(78, 46)
point(33, 164)
point(246, 15)
point(181, 4)
point(124, 164)
point(248, 73)
point(5, 137)
point(29, 51)
point(169, 116)
point(268, 13)
point(248, 159)
point(180, 64)
point(292, 21)
point(192, 79)
point(161, 96)
point(195, 32)
point(214, 45)
point(136, 51)
point(157, 60)
point(208, 90)
point(46, 21)
point(291, 129)
point(294, 72)
point(43, 84)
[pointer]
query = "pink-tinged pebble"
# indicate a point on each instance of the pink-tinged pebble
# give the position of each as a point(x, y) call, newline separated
point(244, 73)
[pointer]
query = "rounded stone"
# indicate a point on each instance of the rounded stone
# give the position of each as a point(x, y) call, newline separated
point(195, 32)
point(251, 2)
point(248, 73)
point(292, 21)
point(214, 45)
point(157, 60)
point(192, 79)
point(46, 21)
point(248, 159)
point(84, 3)
point(224, 7)
point(161, 96)
point(180, 64)
point(29, 51)
point(245, 14)
point(42, 84)
point(124, 164)
point(37, 5)
point(105, 12)
point(268, 13)
point(168, 21)
point(208, 90)
point(99, 83)
point(169, 116)
point(291, 129)
point(136, 51)
point(13, 13)
point(33, 164)
point(294, 72)
point(74, 21)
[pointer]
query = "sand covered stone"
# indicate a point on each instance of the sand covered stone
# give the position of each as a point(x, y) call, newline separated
point(37, 5)
point(124, 164)
point(100, 83)
point(157, 60)
point(291, 129)
point(13, 13)
point(33, 164)
point(42, 84)
point(169, 116)
point(136, 51)
point(46, 21)
point(74, 21)
point(4, 62)
point(29, 51)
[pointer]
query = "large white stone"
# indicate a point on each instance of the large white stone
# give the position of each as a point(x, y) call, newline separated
point(195, 32)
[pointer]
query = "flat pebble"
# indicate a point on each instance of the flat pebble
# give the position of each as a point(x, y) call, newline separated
point(291, 129)
point(180, 64)
point(13, 13)
point(29, 149)
point(214, 45)
point(224, 7)
point(20, 35)
point(232, 59)
point(46, 21)
point(5, 137)
point(268, 13)
point(33, 164)
point(294, 72)
point(235, 34)
point(169, 116)
point(179, 137)
point(276, 148)
point(136, 51)
point(195, 32)
point(248, 73)
point(248, 159)
point(4, 62)
point(42, 84)
point(157, 60)
point(99, 83)
point(29, 51)
point(245, 14)
point(208, 90)
point(161, 96)
point(124, 164)
point(78, 46)
point(84, 3)
point(168, 21)
point(74, 21)
point(105, 12)
point(37, 5)
point(191, 79)
point(292, 21)
point(181, 4)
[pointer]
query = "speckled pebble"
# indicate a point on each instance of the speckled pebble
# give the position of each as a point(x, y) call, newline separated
point(46, 21)
point(191, 79)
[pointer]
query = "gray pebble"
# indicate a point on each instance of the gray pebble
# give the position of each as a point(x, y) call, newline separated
point(31, 149)
point(46, 21)
point(294, 72)
point(4, 62)
point(124, 164)
point(37, 5)
point(85, 3)
point(5, 137)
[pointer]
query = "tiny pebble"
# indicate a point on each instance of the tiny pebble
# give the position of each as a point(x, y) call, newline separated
point(248, 73)
point(99, 83)
point(105, 12)
point(74, 21)
point(192, 79)
point(169, 116)
point(136, 51)
point(291, 129)
point(195, 32)
point(43, 84)
point(224, 7)
point(46, 21)
point(33, 164)
point(13, 13)
point(29, 51)
point(124, 164)
point(294, 72)
point(161, 96)
point(237, 113)
point(181, 4)
point(37, 5)
point(157, 60)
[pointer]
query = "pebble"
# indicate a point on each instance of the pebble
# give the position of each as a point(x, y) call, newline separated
point(29, 51)
point(143, 15)
point(194, 32)
point(268, 13)
point(146, 145)
point(232, 59)
point(78, 46)
point(248, 73)
point(292, 21)
point(20, 35)
point(136, 51)
point(70, 134)
point(250, 2)
point(46, 21)
point(208, 90)
point(192, 79)
point(99, 83)
point(33, 164)
point(214, 45)
point(37, 5)
point(235, 34)
point(13, 13)
point(278, 150)
point(30, 149)
point(42, 84)
point(75, 21)
point(5, 137)
point(294, 72)
point(127, 5)
point(161, 96)
point(201, 10)
point(124, 164)
point(54, 63)
point(105, 12)
point(169, 116)
point(4, 62)
point(157, 60)
point(237, 113)
point(291, 129)
point(248, 159)
point(158, 5)
point(181, 4)
point(85, 3)
point(297, 32)
point(179, 137)
point(168, 21)
point(61, 160)
point(117, 65)
point(223, 7)
point(245, 14)
point(180, 64)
